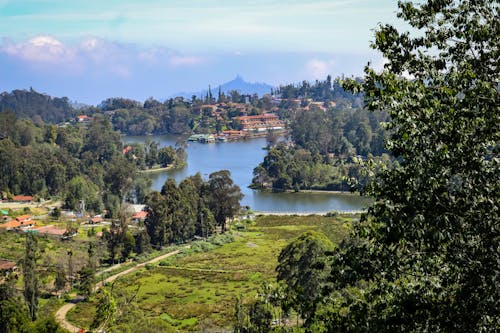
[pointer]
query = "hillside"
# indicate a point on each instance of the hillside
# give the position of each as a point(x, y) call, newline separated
point(37, 106)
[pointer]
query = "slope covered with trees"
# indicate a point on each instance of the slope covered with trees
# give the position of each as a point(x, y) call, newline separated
point(327, 141)
point(74, 163)
point(36, 106)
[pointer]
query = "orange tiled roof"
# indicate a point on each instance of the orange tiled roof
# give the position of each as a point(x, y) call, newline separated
point(50, 230)
point(10, 225)
point(141, 215)
point(96, 219)
point(6, 265)
point(22, 198)
point(126, 149)
point(23, 218)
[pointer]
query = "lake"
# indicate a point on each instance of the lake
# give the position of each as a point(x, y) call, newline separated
point(240, 158)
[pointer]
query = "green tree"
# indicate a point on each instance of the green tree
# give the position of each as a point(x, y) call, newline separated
point(106, 309)
point(60, 280)
point(158, 220)
point(224, 197)
point(13, 316)
point(166, 156)
point(425, 256)
point(30, 278)
point(48, 325)
point(78, 189)
point(86, 281)
point(260, 318)
point(302, 265)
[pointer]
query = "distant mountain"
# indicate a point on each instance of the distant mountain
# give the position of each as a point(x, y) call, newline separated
point(238, 84)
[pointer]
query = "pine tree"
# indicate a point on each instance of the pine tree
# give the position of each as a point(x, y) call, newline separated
point(30, 277)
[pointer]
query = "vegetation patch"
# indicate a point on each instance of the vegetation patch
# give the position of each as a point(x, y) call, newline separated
point(198, 289)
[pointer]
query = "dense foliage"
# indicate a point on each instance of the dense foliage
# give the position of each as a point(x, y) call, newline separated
point(424, 258)
point(149, 155)
point(327, 148)
point(37, 107)
point(194, 208)
point(73, 162)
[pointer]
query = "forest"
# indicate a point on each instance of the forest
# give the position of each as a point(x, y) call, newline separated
point(328, 151)
point(76, 163)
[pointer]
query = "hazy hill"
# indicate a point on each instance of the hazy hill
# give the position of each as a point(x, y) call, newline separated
point(238, 84)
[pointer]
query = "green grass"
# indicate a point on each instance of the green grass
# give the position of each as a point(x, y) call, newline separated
point(201, 285)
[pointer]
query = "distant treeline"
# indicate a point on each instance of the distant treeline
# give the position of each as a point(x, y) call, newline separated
point(37, 107)
point(179, 115)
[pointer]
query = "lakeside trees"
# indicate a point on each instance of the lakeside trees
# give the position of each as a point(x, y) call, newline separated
point(80, 164)
point(179, 213)
point(425, 255)
point(327, 144)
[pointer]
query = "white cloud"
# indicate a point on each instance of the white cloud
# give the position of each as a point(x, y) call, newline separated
point(319, 69)
point(95, 54)
point(42, 49)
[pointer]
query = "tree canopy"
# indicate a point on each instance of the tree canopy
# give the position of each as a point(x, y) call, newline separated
point(425, 255)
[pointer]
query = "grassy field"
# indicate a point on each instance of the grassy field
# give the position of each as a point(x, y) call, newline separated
point(197, 289)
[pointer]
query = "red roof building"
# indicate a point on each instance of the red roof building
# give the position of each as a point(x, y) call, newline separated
point(22, 198)
point(127, 149)
point(21, 222)
point(263, 122)
point(50, 230)
point(140, 216)
point(7, 266)
point(96, 219)
point(83, 118)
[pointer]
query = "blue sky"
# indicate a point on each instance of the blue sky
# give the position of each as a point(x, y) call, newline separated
point(93, 49)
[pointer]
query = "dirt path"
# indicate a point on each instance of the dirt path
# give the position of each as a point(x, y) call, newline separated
point(61, 313)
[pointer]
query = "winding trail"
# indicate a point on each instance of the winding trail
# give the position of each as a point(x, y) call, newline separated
point(63, 310)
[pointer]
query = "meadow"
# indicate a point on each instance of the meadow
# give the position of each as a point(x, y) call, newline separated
point(198, 288)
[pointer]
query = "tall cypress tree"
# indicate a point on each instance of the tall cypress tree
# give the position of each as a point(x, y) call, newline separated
point(30, 278)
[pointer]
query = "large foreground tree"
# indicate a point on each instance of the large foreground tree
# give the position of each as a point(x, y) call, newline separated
point(425, 257)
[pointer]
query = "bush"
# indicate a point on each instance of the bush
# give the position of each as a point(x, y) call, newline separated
point(222, 239)
point(202, 246)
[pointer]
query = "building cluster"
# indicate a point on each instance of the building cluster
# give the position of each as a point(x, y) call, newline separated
point(261, 123)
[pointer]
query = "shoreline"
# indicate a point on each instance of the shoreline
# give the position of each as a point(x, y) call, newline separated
point(168, 167)
point(309, 191)
point(354, 212)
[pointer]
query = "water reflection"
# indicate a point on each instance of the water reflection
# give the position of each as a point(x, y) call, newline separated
point(240, 158)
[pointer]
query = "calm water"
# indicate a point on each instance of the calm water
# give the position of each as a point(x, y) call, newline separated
point(241, 158)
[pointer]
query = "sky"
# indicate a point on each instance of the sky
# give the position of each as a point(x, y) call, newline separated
point(94, 49)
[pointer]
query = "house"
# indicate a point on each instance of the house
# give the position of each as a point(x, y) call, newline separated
point(83, 118)
point(126, 150)
point(96, 219)
point(230, 135)
point(22, 198)
point(260, 123)
point(7, 267)
point(50, 230)
point(22, 222)
point(140, 216)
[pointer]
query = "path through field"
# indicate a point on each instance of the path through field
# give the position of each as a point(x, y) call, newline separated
point(61, 313)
